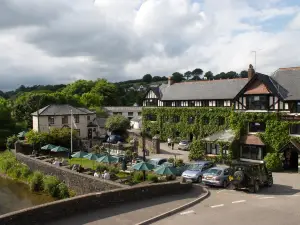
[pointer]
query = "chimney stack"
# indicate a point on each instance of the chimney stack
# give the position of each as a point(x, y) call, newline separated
point(170, 81)
point(251, 72)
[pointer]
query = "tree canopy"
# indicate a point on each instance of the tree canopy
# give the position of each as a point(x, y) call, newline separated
point(117, 124)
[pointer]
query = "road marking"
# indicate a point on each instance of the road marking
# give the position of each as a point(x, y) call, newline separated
point(187, 212)
point(293, 196)
point(240, 201)
point(216, 206)
point(267, 197)
point(221, 191)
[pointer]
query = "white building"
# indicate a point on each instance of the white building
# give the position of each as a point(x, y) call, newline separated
point(59, 116)
point(136, 123)
point(126, 111)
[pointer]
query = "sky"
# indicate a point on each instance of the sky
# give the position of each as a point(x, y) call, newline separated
point(60, 41)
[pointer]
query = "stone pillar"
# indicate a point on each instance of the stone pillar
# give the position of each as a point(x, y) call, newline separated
point(156, 144)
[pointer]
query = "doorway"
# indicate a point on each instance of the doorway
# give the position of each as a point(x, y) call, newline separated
point(191, 137)
point(90, 133)
point(290, 159)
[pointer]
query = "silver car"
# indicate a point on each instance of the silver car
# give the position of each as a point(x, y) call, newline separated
point(183, 145)
point(217, 176)
point(195, 171)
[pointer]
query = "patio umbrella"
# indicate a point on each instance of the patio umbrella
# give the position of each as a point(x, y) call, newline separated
point(48, 147)
point(107, 159)
point(91, 156)
point(59, 149)
point(21, 134)
point(143, 166)
point(165, 170)
point(79, 155)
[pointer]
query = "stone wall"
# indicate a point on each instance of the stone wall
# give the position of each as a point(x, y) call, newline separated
point(151, 144)
point(82, 204)
point(79, 182)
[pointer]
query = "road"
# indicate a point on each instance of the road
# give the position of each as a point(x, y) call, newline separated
point(278, 205)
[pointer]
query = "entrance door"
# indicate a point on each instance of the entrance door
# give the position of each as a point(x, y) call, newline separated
point(291, 159)
point(191, 137)
point(90, 133)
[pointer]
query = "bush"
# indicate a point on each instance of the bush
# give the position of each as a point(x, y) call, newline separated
point(7, 164)
point(273, 161)
point(113, 169)
point(152, 177)
point(25, 172)
point(179, 162)
point(10, 141)
point(138, 177)
point(63, 191)
point(51, 185)
point(197, 150)
point(171, 160)
point(37, 182)
point(101, 167)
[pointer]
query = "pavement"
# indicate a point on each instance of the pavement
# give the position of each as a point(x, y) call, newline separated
point(167, 152)
point(277, 205)
point(132, 213)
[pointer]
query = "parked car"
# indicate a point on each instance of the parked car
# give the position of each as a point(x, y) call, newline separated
point(157, 161)
point(217, 176)
point(183, 145)
point(114, 139)
point(195, 171)
point(250, 175)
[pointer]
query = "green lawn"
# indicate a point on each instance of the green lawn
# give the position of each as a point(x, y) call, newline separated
point(86, 163)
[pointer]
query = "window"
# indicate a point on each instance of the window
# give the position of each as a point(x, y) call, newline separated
point(221, 120)
point(251, 152)
point(205, 103)
point(226, 172)
point(213, 149)
point(88, 118)
point(64, 120)
point(255, 127)
point(295, 107)
point(220, 103)
point(78, 132)
point(257, 102)
point(176, 119)
point(205, 120)
point(191, 119)
point(139, 113)
point(51, 119)
point(192, 103)
point(295, 129)
point(76, 118)
point(130, 114)
point(225, 150)
point(151, 117)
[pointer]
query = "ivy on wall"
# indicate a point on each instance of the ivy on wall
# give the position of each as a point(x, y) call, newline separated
point(183, 122)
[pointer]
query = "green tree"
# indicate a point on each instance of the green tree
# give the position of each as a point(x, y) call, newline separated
point(117, 123)
point(244, 74)
point(7, 123)
point(197, 73)
point(91, 99)
point(79, 87)
point(147, 78)
point(209, 75)
point(177, 77)
point(107, 90)
point(187, 75)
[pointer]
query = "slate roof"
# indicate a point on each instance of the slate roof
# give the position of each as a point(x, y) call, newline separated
point(203, 90)
point(59, 110)
point(99, 121)
point(223, 136)
point(288, 80)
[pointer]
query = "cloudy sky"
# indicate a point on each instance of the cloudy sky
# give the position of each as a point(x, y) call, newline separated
point(59, 41)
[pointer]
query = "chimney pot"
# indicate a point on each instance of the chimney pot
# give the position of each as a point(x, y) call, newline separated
point(170, 81)
point(251, 72)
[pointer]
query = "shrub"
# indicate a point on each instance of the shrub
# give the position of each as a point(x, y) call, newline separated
point(179, 162)
point(113, 169)
point(171, 160)
point(63, 191)
point(197, 150)
point(25, 172)
point(51, 185)
point(101, 167)
point(36, 182)
point(7, 164)
point(273, 161)
point(138, 177)
point(152, 177)
point(14, 172)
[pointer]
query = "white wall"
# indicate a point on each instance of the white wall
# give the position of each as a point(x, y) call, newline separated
point(44, 124)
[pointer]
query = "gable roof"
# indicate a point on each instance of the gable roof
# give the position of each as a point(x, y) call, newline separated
point(271, 85)
point(288, 80)
point(59, 110)
point(158, 90)
point(204, 89)
point(100, 121)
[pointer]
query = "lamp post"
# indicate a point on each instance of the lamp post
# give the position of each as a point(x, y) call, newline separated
point(144, 152)
point(109, 142)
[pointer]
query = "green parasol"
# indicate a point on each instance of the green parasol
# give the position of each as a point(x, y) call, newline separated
point(165, 170)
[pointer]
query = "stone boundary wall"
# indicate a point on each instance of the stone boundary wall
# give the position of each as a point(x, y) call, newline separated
point(151, 144)
point(79, 182)
point(84, 203)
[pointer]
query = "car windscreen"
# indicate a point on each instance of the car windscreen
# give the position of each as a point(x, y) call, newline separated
point(214, 172)
point(195, 167)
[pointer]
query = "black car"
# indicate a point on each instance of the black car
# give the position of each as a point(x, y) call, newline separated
point(250, 175)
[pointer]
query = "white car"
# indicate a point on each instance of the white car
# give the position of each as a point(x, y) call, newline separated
point(183, 145)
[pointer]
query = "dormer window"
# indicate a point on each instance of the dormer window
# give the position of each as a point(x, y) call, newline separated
point(255, 127)
point(257, 102)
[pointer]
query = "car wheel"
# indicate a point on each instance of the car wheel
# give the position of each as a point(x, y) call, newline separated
point(199, 180)
point(270, 182)
point(225, 184)
point(254, 188)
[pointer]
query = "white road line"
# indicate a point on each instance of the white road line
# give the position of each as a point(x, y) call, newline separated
point(221, 191)
point(187, 212)
point(293, 196)
point(240, 201)
point(267, 197)
point(216, 206)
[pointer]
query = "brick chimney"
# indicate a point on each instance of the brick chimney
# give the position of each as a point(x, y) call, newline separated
point(251, 72)
point(170, 81)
